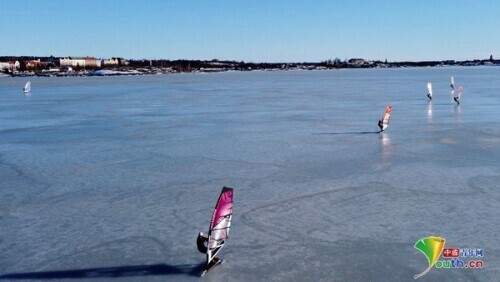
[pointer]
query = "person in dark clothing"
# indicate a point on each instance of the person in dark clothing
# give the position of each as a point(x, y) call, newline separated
point(201, 242)
point(381, 124)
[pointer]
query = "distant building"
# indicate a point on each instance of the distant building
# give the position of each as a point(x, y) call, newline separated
point(10, 65)
point(113, 62)
point(356, 62)
point(75, 62)
point(35, 64)
point(80, 62)
point(91, 62)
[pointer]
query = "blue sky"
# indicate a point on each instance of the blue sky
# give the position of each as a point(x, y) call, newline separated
point(252, 30)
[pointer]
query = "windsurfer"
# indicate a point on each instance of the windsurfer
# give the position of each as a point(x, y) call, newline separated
point(218, 231)
point(381, 124)
point(201, 243)
point(429, 88)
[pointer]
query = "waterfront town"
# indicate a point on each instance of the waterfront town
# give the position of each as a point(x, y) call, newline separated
point(91, 66)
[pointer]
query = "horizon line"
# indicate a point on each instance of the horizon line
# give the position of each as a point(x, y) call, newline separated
point(257, 62)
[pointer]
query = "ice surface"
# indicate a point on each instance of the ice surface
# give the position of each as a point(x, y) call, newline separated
point(115, 176)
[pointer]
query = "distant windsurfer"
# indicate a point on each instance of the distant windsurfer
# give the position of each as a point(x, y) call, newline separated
point(457, 98)
point(452, 85)
point(429, 88)
point(383, 122)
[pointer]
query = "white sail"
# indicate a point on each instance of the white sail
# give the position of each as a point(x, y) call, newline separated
point(27, 87)
point(452, 86)
point(429, 88)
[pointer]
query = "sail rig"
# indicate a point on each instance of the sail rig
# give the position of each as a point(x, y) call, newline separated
point(384, 120)
point(429, 88)
point(452, 86)
point(219, 229)
point(459, 93)
point(27, 88)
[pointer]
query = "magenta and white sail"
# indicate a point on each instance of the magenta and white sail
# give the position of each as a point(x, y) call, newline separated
point(220, 224)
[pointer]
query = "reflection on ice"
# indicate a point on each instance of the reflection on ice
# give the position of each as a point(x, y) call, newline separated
point(458, 112)
point(385, 141)
point(429, 111)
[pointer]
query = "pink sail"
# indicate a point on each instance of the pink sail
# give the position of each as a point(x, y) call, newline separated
point(221, 222)
point(457, 98)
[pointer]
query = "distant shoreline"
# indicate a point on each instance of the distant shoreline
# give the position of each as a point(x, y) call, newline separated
point(162, 72)
point(90, 66)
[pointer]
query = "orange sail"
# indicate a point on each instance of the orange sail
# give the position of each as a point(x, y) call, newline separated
point(384, 120)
